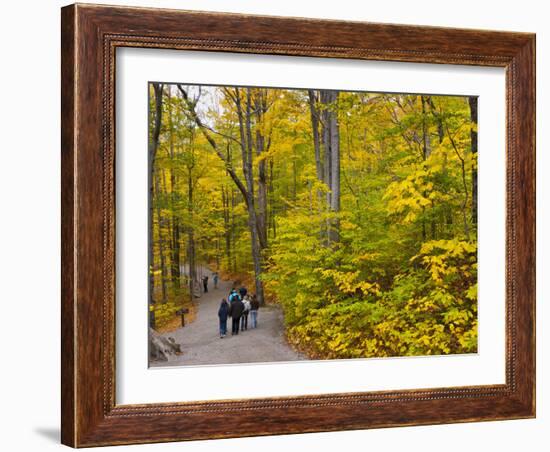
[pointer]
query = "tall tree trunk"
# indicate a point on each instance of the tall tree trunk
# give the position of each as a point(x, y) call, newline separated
point(441, 134)
point(319, 163)
point(464, 185)
point(156, 117)
point(260, 108)
point(233, 230)
point(191, 235)
point(162, 263)
point(426, 141)
point(175, 249)
point(272, 208)
point(314, 113)
point(249, 177)
point(335, 172)
point(426, 152)
point(226, 224)
point(326, 144)
point(331, 147)
point(218, 248)
point(473, 137)
point(176, 252)
point(440, 130)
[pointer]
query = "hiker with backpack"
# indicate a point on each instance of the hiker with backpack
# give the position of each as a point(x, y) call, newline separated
point(244, 317)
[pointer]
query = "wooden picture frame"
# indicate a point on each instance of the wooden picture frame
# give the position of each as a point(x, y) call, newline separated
point(90, 36)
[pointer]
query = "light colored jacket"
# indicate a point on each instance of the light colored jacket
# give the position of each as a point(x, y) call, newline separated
point(246, 304)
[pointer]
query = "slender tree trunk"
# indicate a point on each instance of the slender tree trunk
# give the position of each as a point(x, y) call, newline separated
point(319, 163)
point(249, 177)
point(260, 144)
point(464, 186)
point(331, 145)
point(233, 231)
point(325, 99)
point(326, 144)
point(426, 141)
point(176, 252)
point(448, 221)
point(426, 151)
point(315, 131)
point(440, 130)
point(218, 253)
point(191, 252)
point(271, 204)
point(335, 172)
point(175, 249)
point(156, 116)
point(226, 224)
point(162, 263)
point(473, 137)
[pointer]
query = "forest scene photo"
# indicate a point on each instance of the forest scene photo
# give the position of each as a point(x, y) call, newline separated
point(293, 224)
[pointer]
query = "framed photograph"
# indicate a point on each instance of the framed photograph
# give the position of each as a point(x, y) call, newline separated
point(282, 225)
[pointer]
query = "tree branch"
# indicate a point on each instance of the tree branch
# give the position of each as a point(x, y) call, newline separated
point(204, 129)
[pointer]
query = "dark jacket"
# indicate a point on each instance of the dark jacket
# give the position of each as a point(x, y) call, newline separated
point(254, 304)
point(223, 312)
point(236, 308)
point(242, 291)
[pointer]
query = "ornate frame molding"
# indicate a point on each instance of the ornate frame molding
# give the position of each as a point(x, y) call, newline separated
point(90, 37)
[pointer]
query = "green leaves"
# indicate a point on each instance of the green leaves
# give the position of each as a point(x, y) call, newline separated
point(401, 279)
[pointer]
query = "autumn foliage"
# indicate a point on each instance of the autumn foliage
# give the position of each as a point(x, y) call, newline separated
point(357, 212)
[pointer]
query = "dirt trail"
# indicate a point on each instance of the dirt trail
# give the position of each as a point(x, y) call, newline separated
point(201, 343)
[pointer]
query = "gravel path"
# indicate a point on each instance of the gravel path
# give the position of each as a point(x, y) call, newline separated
point(201, 344)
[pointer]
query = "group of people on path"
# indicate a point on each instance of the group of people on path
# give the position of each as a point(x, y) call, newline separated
point(239, 306)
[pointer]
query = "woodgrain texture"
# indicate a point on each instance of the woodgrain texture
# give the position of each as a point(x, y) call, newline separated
point(90, 36)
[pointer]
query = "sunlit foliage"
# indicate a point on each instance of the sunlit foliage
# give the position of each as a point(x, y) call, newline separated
point(402, 277)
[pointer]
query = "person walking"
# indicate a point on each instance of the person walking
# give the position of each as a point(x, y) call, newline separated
point(205, 284)
point(254, 307)
point(223, 313)
point(232, 294)
point(244, 316)
point(236, 308)
point(215, 278)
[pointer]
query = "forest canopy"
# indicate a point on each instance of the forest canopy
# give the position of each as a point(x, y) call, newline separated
point(356, 212)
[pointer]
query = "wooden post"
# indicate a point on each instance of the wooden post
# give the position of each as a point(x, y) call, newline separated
point(182, 312)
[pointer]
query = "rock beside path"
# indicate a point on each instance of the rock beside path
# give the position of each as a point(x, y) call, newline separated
point(161, 348)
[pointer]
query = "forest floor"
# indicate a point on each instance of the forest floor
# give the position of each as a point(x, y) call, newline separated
point(201, 343)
